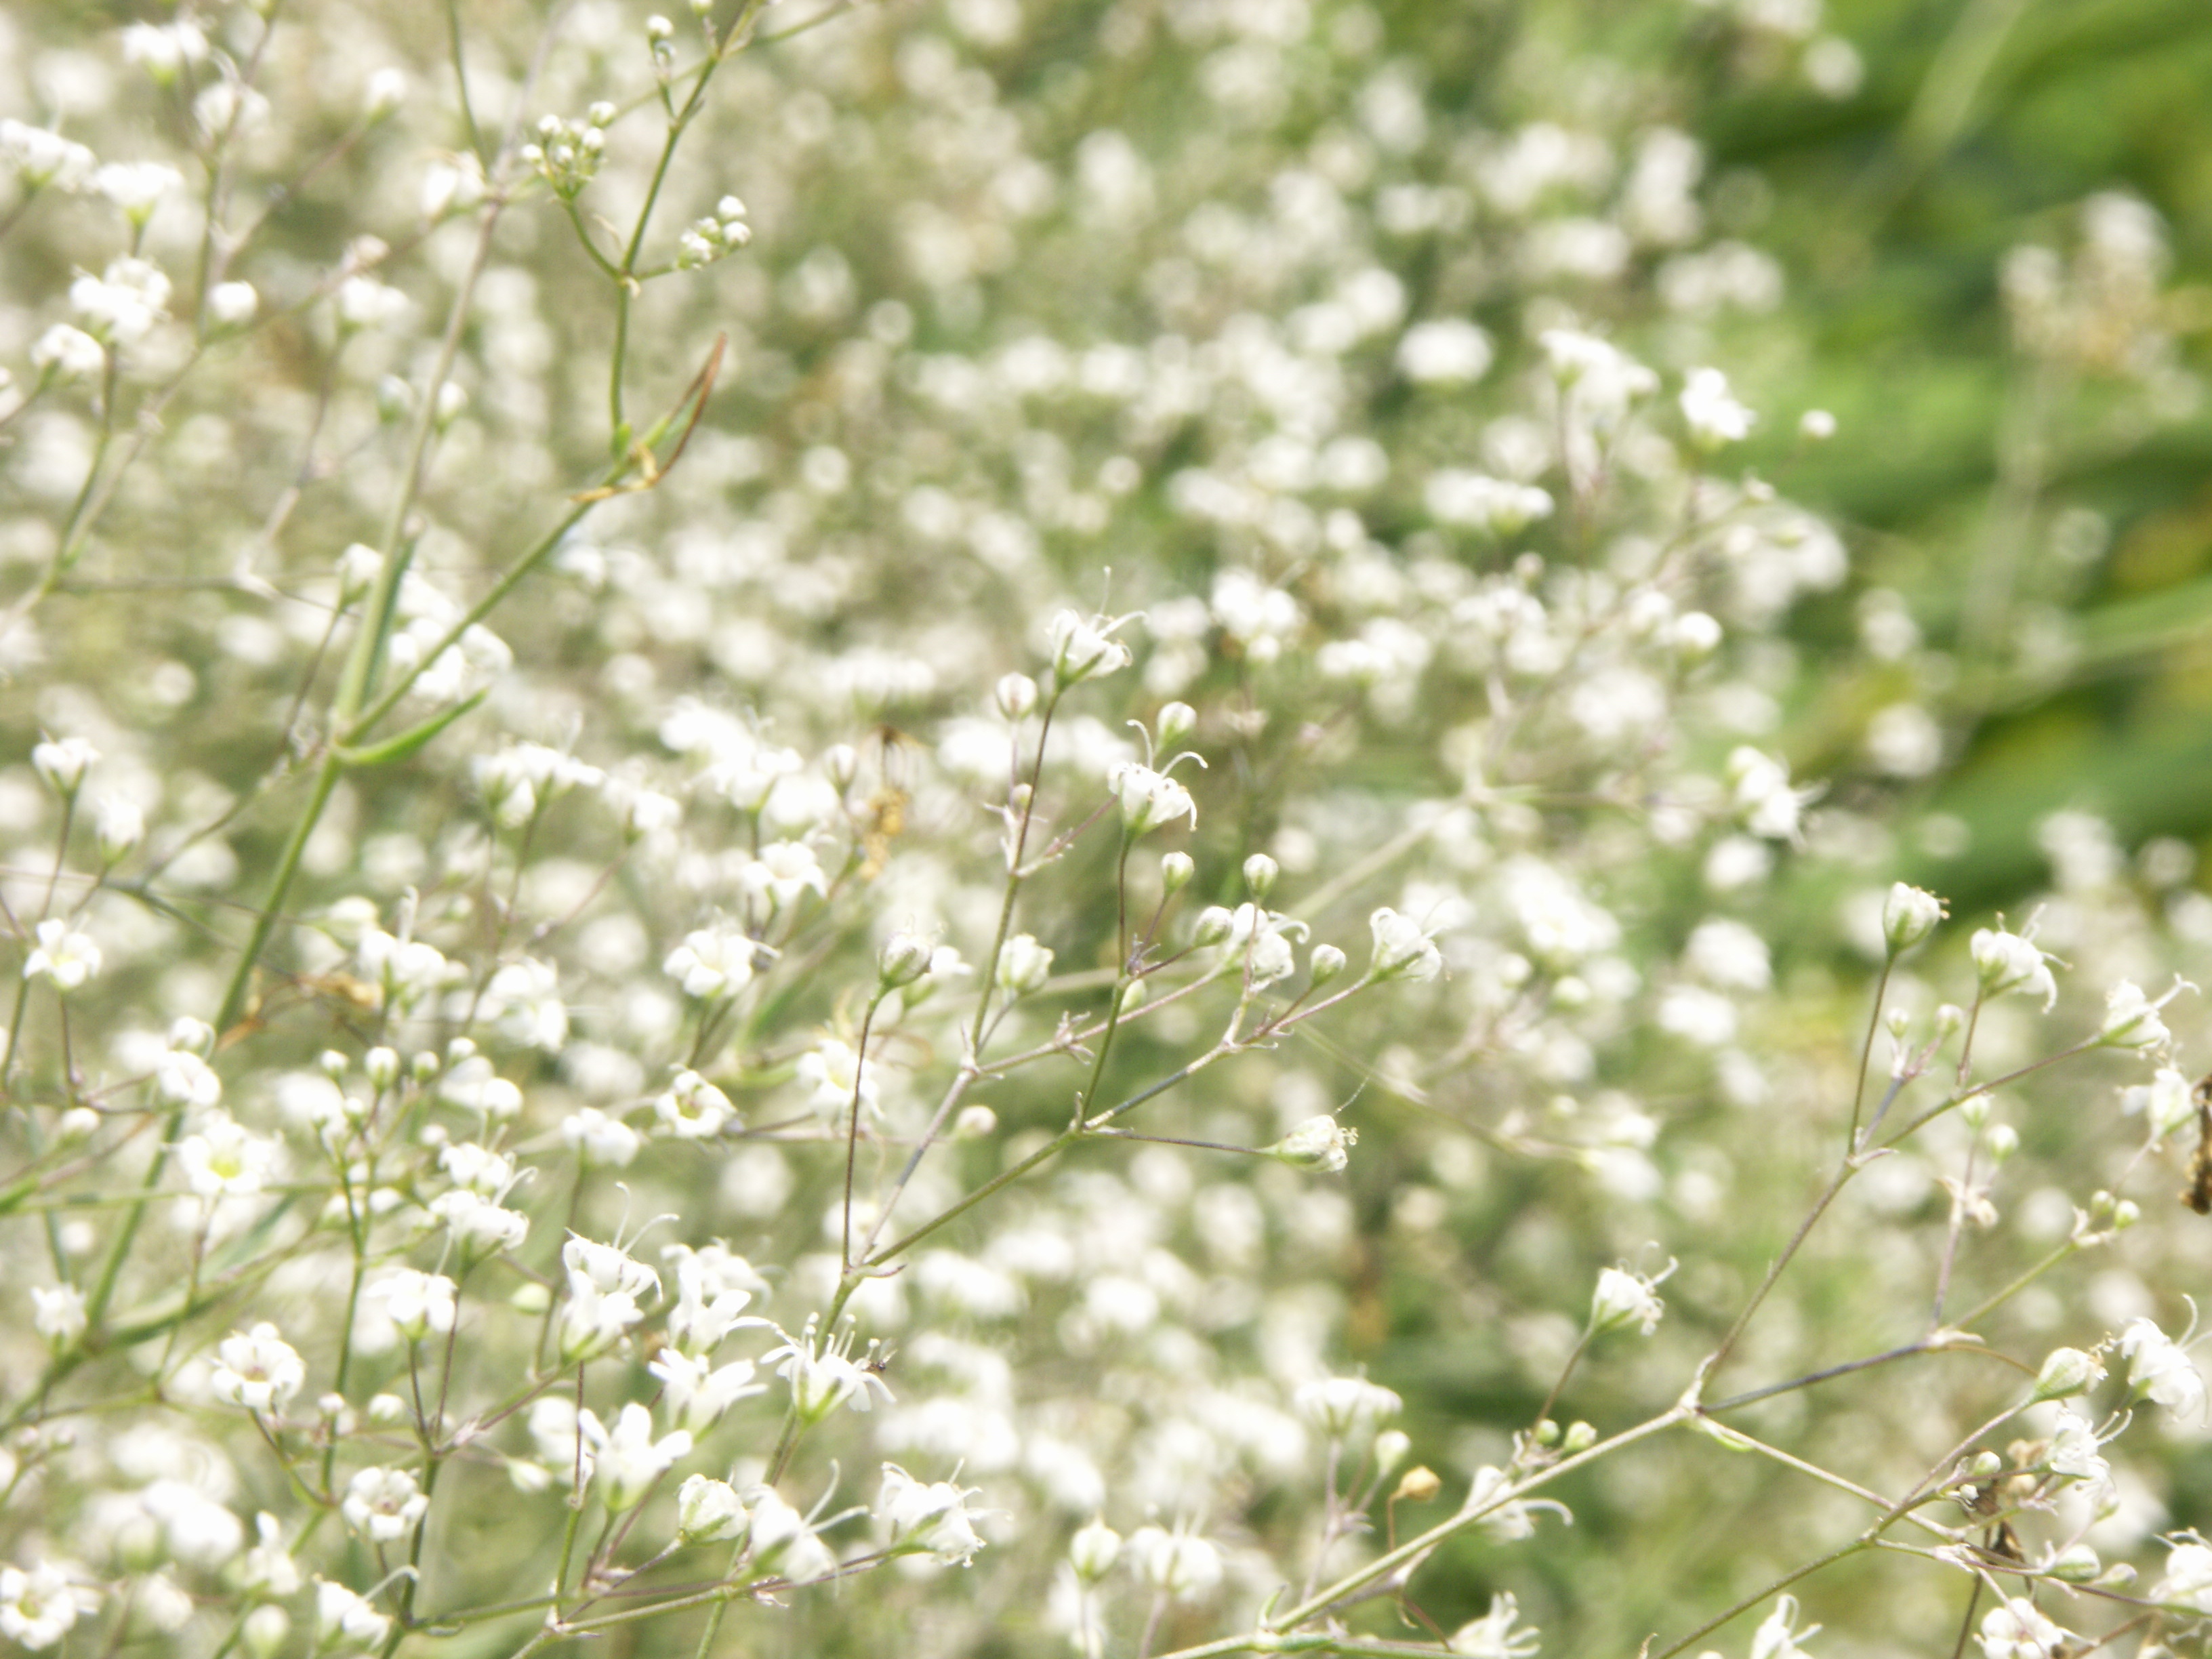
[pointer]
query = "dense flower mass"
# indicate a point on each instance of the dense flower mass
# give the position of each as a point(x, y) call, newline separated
point(1071, 750)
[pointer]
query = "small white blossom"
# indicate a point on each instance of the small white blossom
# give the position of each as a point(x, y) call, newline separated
point(708, 1511)
point(712, 962)
point(68, 352)
point(627, 1459)
point(1625, 1298)
point(821, 1380)
point(64, 956)
point(2019, 1630)
point(2074, 1450)
point(1909, 914)
point(1320, 1144)
point(419, 1303)
point(606, 1141)
point(383, 1505)
point(1176, 1563)
point(1711, 411)
point(2006, 961)
point(1493, 1635)
point(697, 1393)
point(37, 1608)
point(1403, 949)
point(2167, 1102)
point(1774, 1639)
point(693, 1108)
point(1023, 965)
point(930, 1518)
point(2188, 1580)
point(1082, 647)
point(57, 1313)
point(2131, 1020)
point(342, 1614)
point(1338, 1405)
point(257, 1370)
point(781, 1541)
point(1149, 799)
point(2159, 1369)
point(224, 1160)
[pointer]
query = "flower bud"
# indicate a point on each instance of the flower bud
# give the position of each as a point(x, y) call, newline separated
point(2077, 1563)
point(265, 1631)
point(1391, 1448)
point(2067, 1372)
point(1016, 695)
point(1319, 1143)
point(332, 1064)
point(1326, 963)
point(1816, 426)
point(63, 762)
point(2002, 1140)
point(1175, 871)
point(1023, 965)
point(116, 828)
point(841, 763)
point(1546, 1433)
point(903, 959)
point(1093, 1551)
point(974, 1123)
point(1176, 721)
point(194, 1036)
point(708, 1511)
point(1624, 1298)
point(1418, 1484)
point(1579, 1437)
point(1260, 873)
point(1133, 997)
point(1975, 1113)
point(381, 1067)
point(1909, 915)
point(1403, 949)
point(1214, 925)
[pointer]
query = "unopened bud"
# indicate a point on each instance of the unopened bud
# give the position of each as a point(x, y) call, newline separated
point(1909, 915)
point(1175, 871)
point(1093, 1551)
point(265, 1631)
point(1391, 1448)
point(333, 1064)
point(381, 1067)
point(2067, 1372)
point(1260, 873)
point(1418, 1484)
point(1579, 1437)
point(1016, 695)
point(1213, 925)
point(841, 762)
point(2002, 1140)
point(1326, 963)
point(903, 959)
point(974, 1123)
point(2077, 1563)
point(1176, 721)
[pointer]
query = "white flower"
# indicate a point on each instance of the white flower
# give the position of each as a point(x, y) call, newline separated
point(1403, 949)
point(2009, 962)
point(68, 352)
point(713, 1288)
point(57, 1313)
point(708, 1511)
point(1496, 507)
point(1909, 914)
point(62, 762)
point(834, 1070)
point(383, 1504)
point(1175, 1562)
point(1023, 965)
point(1149, 799)
point(1447, 351)
point(63, 956)
point(257, 1370)
point(479, 1226)
point(930, 1518)
point(2188, 1580)
point(419, 1303)
point(341, 1614)
point(697, 1394)
point(1083, 648)
point(1625, 1298)
point(121, 306)
point(2074, 1450)
point(1764, 798)
point(627, 1457)
point(181, 1078)
point(40, 158)
point(1509, 1520)
point(592, 1321)
point(601, 1139)
point(784, 869)
point(1093, 1551)
point(2131, 1018)
point(1774, 1639)
point(608, 1268)
point(2066, 1373)
point(137, 187)
point(782, 1543)
point(232, 304)
point(37, 1608)
point(1601, 380)
point(268, 1567)
point(693, 1108)
point(224, 1160)
point(1713, 415)
point(712, 962)
point(1493, 1636)
point(1319, 1144)
point(823, 1381)
point(2018, 1630)
point(1338, 1405)
point(523, 999)
point(2157, 1368)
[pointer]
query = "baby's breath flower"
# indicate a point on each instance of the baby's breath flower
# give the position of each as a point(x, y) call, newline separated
point(697, 1393)
point(1319, 1144)
point(2131, 1018)
point(341, 1614)
point(1338, 1405)
point(1909, 914)
point(2066, 1373)
point(1625, 1298)
point(2006, 961)
point(692, 1109)
point(257, 1370)
point(927, 1517)
point(1093, 1551)
point(627, 1460)
point(62, 762)
point(606, 1141)
point(1023, 966)
point(1493, 1636)
point(708, 1511)
point(383, 1505)
point(1084, 648)
point(2160, 1370)
point(781, 1541)
point(1774, 1639)
point(38, 1606)
point(1177, 1563)
point(419, 1303)
point(2188, 1580)
point(825, 1379)
point(57, 1313)
point(1403, 949)
point(1149, 799)
point(1711, 411)
point(2019, 1630)
point(712, 962)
